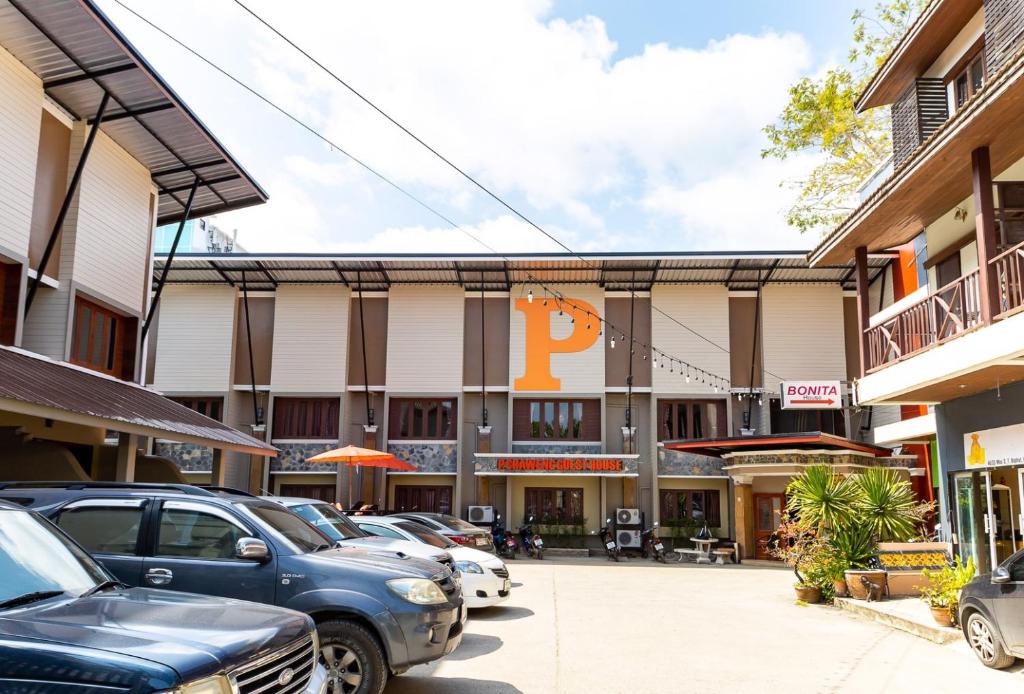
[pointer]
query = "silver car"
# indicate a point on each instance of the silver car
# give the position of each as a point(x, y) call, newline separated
point(338, 526)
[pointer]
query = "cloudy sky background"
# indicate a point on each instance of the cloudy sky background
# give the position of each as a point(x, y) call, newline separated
point(616, 126)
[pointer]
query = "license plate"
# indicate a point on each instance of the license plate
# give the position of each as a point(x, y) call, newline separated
point(610, 545)
point(508, 585)
point(540, 543)
point(659, 547)
point(480, 542)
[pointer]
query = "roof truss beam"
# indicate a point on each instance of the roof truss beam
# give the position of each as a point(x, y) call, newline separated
point(88, 75)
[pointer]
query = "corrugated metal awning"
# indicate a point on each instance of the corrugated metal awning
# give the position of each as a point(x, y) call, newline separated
point(613, 271)
point(78, 54)
point(36, 386)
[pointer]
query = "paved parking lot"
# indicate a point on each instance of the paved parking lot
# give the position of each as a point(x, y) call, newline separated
point(592, 626)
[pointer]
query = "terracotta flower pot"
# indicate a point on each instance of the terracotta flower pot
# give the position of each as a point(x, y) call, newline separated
point(943, 616)
point(840, 587)
point(856, 588)
point(807, 593)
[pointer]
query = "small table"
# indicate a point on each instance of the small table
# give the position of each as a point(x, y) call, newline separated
point(704, 546)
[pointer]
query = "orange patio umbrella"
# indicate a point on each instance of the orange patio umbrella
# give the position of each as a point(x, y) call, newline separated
point(354, 456)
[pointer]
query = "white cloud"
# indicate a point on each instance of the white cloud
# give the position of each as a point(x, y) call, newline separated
point(543, 110)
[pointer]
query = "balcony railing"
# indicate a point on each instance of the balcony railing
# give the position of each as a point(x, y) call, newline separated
point(942, 315)
point(1009, 274)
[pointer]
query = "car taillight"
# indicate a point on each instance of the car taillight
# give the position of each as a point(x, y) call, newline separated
point(461, 539)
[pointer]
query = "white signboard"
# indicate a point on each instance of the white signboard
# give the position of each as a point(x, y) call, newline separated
point(811, 395)
point(1002, 446)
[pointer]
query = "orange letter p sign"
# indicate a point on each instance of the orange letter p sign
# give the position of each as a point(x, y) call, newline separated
point(540, 345)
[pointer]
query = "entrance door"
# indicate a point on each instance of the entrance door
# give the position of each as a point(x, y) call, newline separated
point(426, 499)
point(974, 523)
point(768, 510)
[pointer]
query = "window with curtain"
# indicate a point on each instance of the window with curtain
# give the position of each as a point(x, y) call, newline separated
point(691, 419)
point(556, 420)
point(699, 505)
point(554, 504)
point(423, 419)
point(306, 418)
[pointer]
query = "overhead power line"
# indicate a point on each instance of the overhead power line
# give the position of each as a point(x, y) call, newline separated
point(685, 368)
point(499, 199)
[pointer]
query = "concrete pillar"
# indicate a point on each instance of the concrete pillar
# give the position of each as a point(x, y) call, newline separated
point(483, 445)
point(127, 447)
point(743, 505)
point(218, 473)
point(258, 464)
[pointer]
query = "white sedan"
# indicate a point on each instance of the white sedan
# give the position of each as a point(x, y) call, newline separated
point(485, 580)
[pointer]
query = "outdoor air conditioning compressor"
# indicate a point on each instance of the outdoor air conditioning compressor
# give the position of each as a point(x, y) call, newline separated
point(481, 514)
point(627, 516)
point(628, 539)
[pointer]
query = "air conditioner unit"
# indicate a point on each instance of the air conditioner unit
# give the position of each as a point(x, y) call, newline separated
point(628, 539)
point(481, 514)
point(627, 516)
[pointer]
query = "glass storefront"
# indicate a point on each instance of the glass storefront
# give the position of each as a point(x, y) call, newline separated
point(988, 514)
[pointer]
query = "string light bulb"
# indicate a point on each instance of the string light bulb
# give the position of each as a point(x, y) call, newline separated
point(654, 361)
point(687, 374)
point(529, 297)
point(612, 342)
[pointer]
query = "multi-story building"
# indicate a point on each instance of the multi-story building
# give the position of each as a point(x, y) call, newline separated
point(95, 151)
point(555, 385)
point(948, 346)
point(201, 235)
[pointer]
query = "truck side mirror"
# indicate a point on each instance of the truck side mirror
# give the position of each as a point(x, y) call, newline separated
point(1000, 575)
point(252, 548)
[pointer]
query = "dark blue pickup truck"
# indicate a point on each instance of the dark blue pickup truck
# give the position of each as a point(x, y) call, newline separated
point(375, 615)
point(66, 625)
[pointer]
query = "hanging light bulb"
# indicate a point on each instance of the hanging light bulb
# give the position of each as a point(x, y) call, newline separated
point(645, 356)
point(716, 386)
point(529, 297)
point(671, 366)
point(612, 342)
point(654, 361)
point(687, 374)
point(572, 321)
point(760, 400)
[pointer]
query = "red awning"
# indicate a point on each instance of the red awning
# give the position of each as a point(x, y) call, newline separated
point(811, 441)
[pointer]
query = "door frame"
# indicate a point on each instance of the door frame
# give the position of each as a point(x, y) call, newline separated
point(758, 534)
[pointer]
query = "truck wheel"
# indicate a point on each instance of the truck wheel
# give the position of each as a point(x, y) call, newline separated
point(354, 659)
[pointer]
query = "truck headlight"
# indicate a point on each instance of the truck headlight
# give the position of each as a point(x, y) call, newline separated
point(469, 567)
point(210, 685)
point(420, 591)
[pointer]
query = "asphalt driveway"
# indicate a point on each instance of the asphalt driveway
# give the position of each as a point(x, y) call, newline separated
point(592, 626)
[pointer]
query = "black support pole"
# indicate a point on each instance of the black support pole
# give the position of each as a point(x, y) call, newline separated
point(170, 259)
point(51, 242)
point(629, 376)
point(248, 339)
point(753, 351)
point(483, 357)
point(362, 338)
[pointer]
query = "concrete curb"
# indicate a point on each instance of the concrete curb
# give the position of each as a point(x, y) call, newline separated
point(565, 552)
point(930, 632)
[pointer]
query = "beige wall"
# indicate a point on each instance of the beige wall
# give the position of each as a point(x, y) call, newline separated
point(706, 309)
point(50, 189)
point(591, 487)
point(425, 325)
point(194, 345)
point(310, 339)
point(579, 372)
point(113, 229)
point(21, 96)
point(804, 335)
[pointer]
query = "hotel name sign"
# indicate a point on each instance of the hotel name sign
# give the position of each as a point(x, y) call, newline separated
point(540, 344)
point(525, 464)
point(1000, 446)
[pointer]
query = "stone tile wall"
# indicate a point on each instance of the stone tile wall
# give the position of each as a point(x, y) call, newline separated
point(427, 457)
point(681, 463)
point(189, 457)
point(292, 457)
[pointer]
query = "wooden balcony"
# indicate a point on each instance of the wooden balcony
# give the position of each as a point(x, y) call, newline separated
point(1008, 269)
point(943, 315)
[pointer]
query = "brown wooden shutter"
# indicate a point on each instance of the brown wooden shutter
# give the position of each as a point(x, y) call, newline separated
point(723, 422)
point(520, 419)
point(591, 420)
point(712, 508)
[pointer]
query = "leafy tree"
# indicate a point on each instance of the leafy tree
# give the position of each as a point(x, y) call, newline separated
point(820, 117)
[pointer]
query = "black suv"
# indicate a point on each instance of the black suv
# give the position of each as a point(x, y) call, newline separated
point(67, 626)
point(374, 614)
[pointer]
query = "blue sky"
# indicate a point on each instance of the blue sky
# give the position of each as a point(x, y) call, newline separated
point(617, 126)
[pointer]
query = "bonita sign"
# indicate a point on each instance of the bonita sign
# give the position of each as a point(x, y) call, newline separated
point(811, 395)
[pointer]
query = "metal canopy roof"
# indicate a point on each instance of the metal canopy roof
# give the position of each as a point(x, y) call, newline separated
point(34, 385)
point(78, 53)
point(613, 271)
point(771, 443)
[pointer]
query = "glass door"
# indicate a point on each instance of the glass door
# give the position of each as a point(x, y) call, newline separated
point(972, 520)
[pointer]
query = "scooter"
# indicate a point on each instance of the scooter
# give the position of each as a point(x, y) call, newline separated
point(532, 543)
point(504, 542)
point(651, 545)
point(611, 547)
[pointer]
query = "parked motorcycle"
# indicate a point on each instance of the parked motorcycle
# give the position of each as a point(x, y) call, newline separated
point(504, 542)
point(651, 545)
point(611, 547)
point(531, 542)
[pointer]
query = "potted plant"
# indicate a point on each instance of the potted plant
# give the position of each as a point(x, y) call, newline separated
point(854, 547)
point(941, 591)
point(801, 546)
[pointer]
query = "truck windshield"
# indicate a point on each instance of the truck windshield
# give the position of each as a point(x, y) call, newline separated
point(329, 520)
point(294, 532)
point(36, 558)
